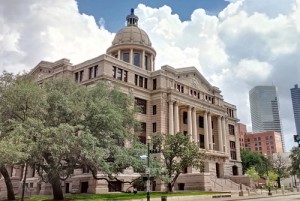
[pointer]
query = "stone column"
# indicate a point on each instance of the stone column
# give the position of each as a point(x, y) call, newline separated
point(210, 132)
point(119, 54)
point(206, 140)
point(143, 60)
point(220, 137)
point(224, 134)
point(151, 63)
point(176, 117)
point(131, 56)
point(194, 117)
point(171, 118)
point(190, 132)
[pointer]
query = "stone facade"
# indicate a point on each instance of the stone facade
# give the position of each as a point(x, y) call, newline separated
point(172, 100)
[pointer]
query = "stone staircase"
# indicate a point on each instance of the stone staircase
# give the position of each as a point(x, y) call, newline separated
point(225, 185)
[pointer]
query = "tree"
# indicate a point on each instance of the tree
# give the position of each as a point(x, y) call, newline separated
point(254, 159)
point(295, 161)
point(280, 167)
point(9, 95)
point(253, 174)
point(178, 153)
point(68, 127)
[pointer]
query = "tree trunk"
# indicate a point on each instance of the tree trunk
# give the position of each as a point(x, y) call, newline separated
point(24, 182)
point(56, 188)
point(9, 186)
point(278, 182)
point(170, 187)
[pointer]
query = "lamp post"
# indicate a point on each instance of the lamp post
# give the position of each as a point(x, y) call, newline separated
point(148, 168)
point(267, 167)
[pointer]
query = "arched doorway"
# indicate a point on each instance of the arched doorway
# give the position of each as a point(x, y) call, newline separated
point(218, 170)
point(235, 170)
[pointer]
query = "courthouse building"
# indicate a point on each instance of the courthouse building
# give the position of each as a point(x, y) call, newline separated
point(172, 100)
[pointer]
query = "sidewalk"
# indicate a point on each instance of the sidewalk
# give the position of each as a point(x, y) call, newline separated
point(257, 196)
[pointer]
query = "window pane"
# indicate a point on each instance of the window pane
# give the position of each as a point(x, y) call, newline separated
point(136, 59)
point(154, 84)
point(126, 57)
point(125, 75)
point(119, 74)
point(141, 80)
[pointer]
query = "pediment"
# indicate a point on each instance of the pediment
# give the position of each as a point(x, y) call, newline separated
point(193, 78)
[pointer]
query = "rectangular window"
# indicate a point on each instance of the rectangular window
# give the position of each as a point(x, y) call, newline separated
point(154, 127)
point(90, 72)
point(259, 138)
point(145, 83)
point(126, 57)
point(201, 141)
point(77, 77)
point(136, 59)
point(154, 84)
point(141, 80)
point(185, 118)
point(154, 109)
point(114, 74)
point(201, 122)
point(185, 133)
point(142, 135)
point(136, 77)
point(119, 74)
point(95, 71)
point(232, 145)
point(231, 129)
point(125, 74)
point(212, 124)
point(233, 155)
point(81, 76)
point(142, 104)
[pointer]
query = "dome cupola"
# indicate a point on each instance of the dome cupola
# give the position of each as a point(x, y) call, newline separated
point(132, 44)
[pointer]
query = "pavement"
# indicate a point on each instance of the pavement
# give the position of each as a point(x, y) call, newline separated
point(263, 197)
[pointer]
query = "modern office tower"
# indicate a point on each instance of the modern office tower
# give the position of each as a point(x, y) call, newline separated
point(264, 107)
point(295, 92)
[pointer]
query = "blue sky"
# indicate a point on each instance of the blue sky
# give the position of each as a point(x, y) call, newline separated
point(114, 16)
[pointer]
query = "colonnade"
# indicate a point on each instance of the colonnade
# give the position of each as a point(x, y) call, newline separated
point(142, 55)
point(192, 129)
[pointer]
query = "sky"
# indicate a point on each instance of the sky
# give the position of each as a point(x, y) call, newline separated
point(235, 44)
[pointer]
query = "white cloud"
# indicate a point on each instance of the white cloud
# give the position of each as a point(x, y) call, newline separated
point(249, 43)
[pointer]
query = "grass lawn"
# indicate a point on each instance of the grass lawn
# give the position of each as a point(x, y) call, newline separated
point(119, 196)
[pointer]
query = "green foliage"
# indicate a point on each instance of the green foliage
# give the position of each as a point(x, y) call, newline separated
point(257, 160)
point(295, 161)
point(65, 126)
point(178, 153)
point(253, 174)
point(272, 175)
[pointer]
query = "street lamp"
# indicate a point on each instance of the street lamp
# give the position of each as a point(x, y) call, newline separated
point(144, 157)
point(267, 167)
point(148, 168)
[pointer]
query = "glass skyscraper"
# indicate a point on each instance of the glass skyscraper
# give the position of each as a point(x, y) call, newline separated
point(264, 107)
point(295, 92)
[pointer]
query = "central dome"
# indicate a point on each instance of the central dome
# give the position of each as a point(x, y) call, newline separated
point(132, 45)
point(132, 35)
